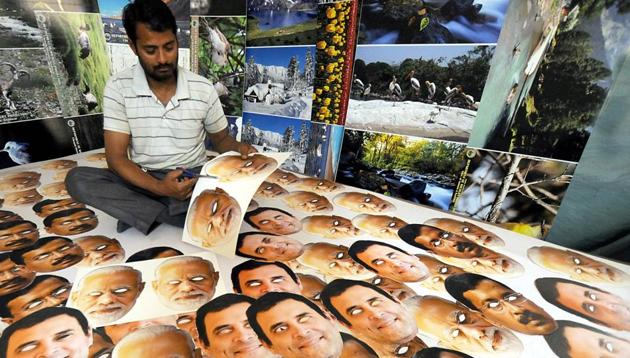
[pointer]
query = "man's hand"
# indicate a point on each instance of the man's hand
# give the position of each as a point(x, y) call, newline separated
point(245, 150)
point(175, 186)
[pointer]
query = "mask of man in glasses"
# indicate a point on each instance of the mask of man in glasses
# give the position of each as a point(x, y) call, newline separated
point(45, 291)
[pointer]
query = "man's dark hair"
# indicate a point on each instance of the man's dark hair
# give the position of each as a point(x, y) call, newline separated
point(10, 224)
point(345, 337)
point(6, 299)
point(241, 239)
point(48, 220)
point(338, 287)
point(270, 300)
point(435, 352)
point(548, 288)
point(18, 255)
point(101, 332)
point(154, 13)
point(218, 304)
point(40, 206)
point(252, 265)
point(151, 253)
point(5, 256)
point(409, 232)
point(360, 246)
point(39, 317)
point(559, 343)
point(457, 285)
point(249, 214)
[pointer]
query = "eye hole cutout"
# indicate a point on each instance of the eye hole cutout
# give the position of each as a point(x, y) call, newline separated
point(465, 229)
point(34, 304)
point(356, 311)
point(174, 282)
point(101, 247)
point(367, 199)
point(445, 235)
point(215, 206)
point(590, 307)
point(443, 270)
point(577, 261)
point(512, 297)
point(340, 255)
point(120, 291)
point(436, 242)
point(332, 265)
point(377, 281)
point(455, 333)
point(378, 262)
point(248, 164)
point(401, 350)
point(493, 304)
point(391, 224)
point(461, 317)
point(197, 278)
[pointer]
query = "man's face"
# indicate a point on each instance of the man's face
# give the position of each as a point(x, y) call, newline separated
point(58, 336)
point(296, 331)
point(230, 334)
point(281, 177)
point(462, 329)
point(24, 197)
point(444, 243)
point(74, 224)
point(105, 297)
point(214, 218)
point(60, 164)
point(271, 247)
point(50, 292)
point(116, 332)
point(233, 167)
point(269, 278)
point(307, 201)
point(14, 277)
point(157, 52)
point(394, 264)
point(55, 255)
point(333, 260)
point(186, 322)
point(598, 305)
point(62, 204)
point(168, 344)
point(18, 236)
point(438, 272)
point(398, 290)
point(55, 190)
point(96, 157)
point(6, 216)
point(318, 185)
point(363, 203)
point(270, 190)
point(506, 308)
point(22, 175)
point(579, 267)
point(276, 222)
point(381, 226)
point(468, 230)
point(493, 264)
point(330, 227)
point(18, 184)
point(100, 250)
point(353, 349)
point(100, 348)
point(374, 316)
point(185, 286)
point(312, 287)
point(584, 343)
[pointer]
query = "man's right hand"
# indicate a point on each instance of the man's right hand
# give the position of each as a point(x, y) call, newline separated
point(176, 186)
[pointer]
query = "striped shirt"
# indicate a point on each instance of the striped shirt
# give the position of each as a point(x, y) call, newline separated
point(163, 137)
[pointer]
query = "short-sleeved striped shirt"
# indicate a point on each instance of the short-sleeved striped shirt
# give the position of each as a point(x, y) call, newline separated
point(163, 137)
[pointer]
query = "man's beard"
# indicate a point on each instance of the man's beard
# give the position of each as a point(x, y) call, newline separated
point(154, 73)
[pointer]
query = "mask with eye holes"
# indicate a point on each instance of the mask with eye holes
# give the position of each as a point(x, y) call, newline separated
point(214, 218)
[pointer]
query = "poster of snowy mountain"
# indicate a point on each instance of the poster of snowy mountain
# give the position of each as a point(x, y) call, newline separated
point(315, 147)
point(427, 91)
point(279, 81)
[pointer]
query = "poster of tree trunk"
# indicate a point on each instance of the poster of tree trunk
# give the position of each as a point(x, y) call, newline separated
point(520, 193)
point(419, 170)
point(550, 76)
point(218, 45)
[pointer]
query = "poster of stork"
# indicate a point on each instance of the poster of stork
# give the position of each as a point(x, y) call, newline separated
point(218, 45)
point(520, 193)
point(33, 141)
point(77, 56)
point(279, 81)
point(431, 22)
point(281, 22)
point(314, 147)
point(423, 171)
point(428, 91)
point(27, 87)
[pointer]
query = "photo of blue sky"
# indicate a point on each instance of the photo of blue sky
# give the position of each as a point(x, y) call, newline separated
point(275, 124)
point(279, 56)
point(111, 8)
point(394, 55)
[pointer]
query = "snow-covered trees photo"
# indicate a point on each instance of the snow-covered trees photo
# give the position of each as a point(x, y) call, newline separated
point(279, 81)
